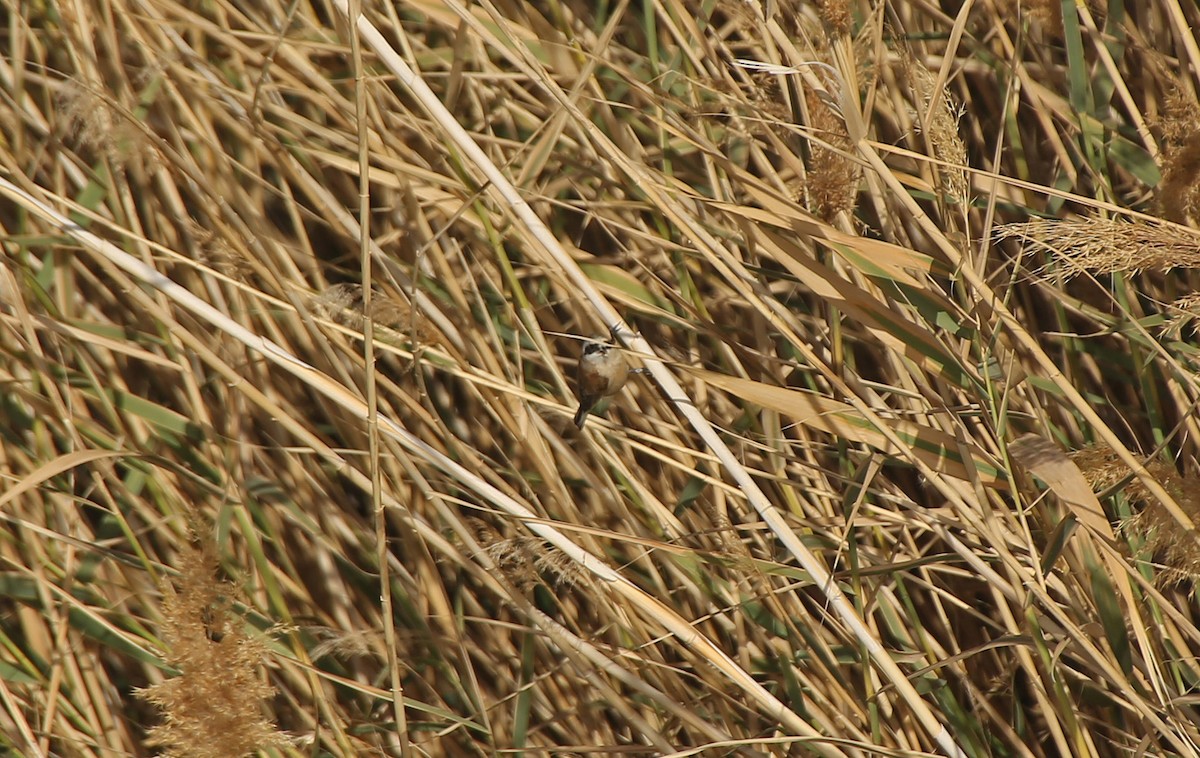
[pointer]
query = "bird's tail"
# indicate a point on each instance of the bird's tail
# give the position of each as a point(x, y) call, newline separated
point(581, 415)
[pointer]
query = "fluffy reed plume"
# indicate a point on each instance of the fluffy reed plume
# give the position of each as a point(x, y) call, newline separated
point(941, 130)
point(98, 124)
point(832, 179)
point(1175, 550)
point(1046, 12)
point(837, 16)
point(526, 561)
point(1105, 246)
point(345, 305)
point(214, 707)
point(1184, 311)
point(1179, 191)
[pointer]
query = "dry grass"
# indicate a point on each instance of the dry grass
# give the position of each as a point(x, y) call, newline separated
point(248, 503)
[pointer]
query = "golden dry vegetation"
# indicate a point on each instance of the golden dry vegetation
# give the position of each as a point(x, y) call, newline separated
point(289, 313)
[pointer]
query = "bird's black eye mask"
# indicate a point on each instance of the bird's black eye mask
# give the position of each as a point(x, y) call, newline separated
point(592, 348)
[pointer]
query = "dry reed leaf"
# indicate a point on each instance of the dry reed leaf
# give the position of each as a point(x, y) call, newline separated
point(939, 450)
point(1044, 459)
point(53, 468)
point(879, 317)
point(871, 256)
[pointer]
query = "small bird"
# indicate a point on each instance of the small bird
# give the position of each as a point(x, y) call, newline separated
point(602, 372)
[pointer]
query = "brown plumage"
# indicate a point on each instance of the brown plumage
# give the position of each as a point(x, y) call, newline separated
point(602, 372)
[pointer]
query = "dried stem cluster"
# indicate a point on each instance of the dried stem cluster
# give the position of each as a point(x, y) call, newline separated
point(861, 247)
